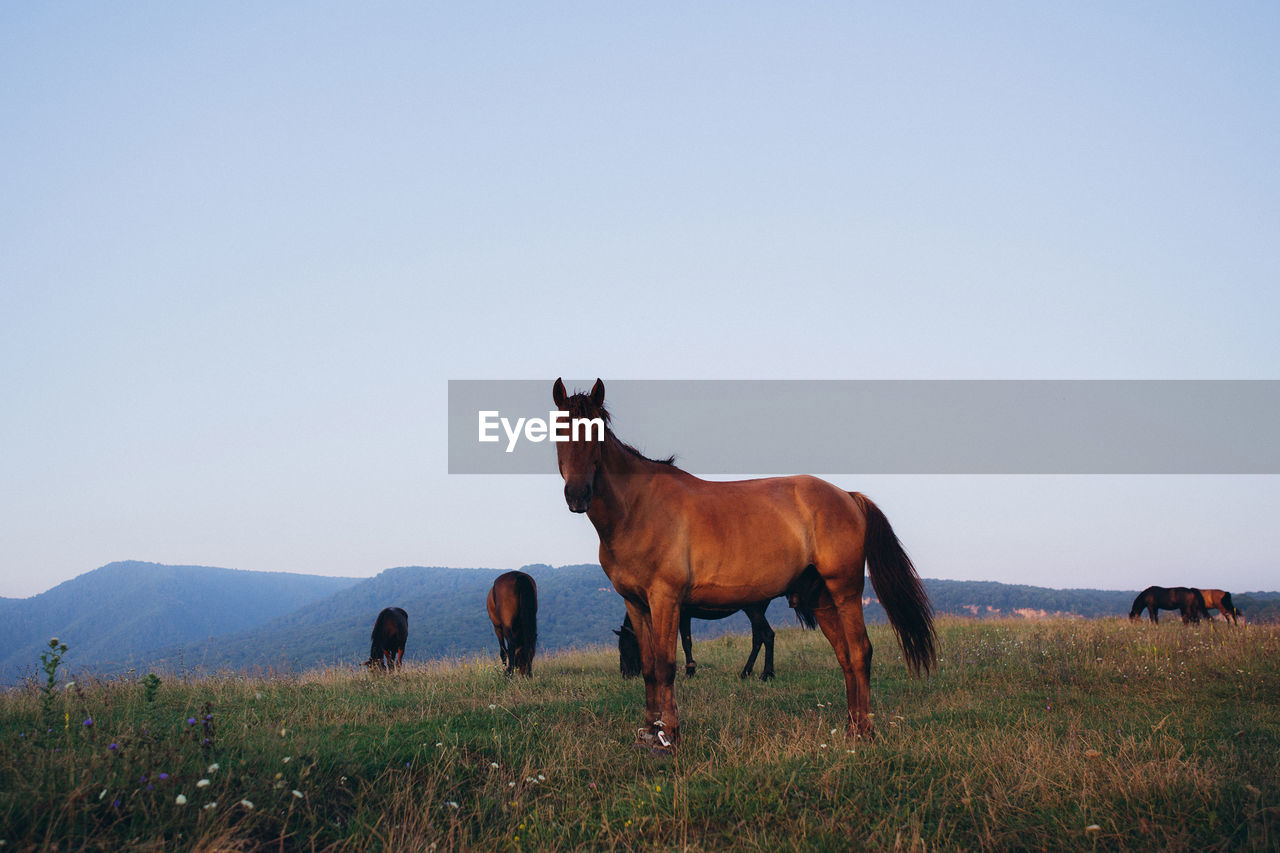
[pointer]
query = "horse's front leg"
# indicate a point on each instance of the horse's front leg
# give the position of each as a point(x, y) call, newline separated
point(640, 624)
point(664, 620)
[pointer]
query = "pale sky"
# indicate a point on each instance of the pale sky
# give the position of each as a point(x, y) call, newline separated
point(244, 248)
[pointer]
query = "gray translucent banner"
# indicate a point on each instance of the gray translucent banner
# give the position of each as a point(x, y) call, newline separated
point(757, 427)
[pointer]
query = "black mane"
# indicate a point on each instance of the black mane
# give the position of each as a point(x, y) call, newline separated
point(580, 406)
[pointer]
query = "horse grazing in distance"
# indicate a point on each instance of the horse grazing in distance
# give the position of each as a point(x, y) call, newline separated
point(390, 631)
point(1216, 599)
point(669, 540)
point(1186, 600)
point(761, 635)
point(513, 610)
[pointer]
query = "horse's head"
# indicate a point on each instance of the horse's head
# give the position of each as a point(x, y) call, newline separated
point(579, 457)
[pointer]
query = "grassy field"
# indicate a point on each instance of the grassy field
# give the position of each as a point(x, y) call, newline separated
point(1029, 735)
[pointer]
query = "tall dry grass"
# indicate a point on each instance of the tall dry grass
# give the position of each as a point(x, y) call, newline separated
point(1029, 735)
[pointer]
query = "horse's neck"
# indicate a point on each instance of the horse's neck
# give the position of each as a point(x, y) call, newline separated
point(624, 484)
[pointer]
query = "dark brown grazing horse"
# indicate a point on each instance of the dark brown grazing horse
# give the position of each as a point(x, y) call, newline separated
point(1186, 600)
point(761, 635)
point(390, 631)
point(669, 539)
point(513, 610)
point(1216, 599)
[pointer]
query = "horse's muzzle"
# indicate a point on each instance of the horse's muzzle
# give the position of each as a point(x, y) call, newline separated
point(578, 497)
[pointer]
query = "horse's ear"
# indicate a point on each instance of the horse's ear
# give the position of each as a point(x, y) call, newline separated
point(558, 395)
point(597, 393)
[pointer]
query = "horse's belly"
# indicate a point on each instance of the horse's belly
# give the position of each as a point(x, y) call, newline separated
point(738, 585)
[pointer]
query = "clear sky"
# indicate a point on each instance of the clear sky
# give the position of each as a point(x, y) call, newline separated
point(243, 248)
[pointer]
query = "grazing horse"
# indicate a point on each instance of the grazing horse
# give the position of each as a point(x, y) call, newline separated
point(513, 610)
point(761, 635)
point(1216, 599)
point(1186, 600)
point(390, 631)
point(669, 539)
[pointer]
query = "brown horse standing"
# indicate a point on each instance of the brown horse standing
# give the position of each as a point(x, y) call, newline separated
point(1216, 599)
point(1186, 600)
point(669, 539)
point(513, 610)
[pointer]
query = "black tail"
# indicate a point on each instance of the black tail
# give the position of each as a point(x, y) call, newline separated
point(899, 589)
point(528, 627)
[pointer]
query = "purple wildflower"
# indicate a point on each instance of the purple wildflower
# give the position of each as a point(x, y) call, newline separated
point(89, 722)
point(191, 721)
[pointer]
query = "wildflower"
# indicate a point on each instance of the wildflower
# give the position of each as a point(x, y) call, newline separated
point(1093, 827)
point(492, 706)
point(210, 806)
point(297, 794)
point(511, 784)
point(493, 765)
point(70, 684)
point(286, 759)
point(541, 778)
point(822, 746)
point(114, 747)
point(592, 786)
point(162, 776)
point(89, 723)
point(246, 804)
point(103, 794)
point(451, 804)
point(213, 767)
point(658, 788)
point(191, 721)
point(203, 783)
point(284, 733)
point(181, 799)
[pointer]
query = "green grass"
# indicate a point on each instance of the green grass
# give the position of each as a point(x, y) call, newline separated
point(1026, 735)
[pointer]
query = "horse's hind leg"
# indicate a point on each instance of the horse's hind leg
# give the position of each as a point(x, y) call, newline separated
point(686, 640)
point(761, 635)
point(502, 644)
point(854, 658)
point(768, 650)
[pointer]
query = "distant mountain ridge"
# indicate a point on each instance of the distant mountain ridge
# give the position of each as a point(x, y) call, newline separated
point(121, 614)
point(148, 616)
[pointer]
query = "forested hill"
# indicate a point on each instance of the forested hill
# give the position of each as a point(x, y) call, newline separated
point(122, 613)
